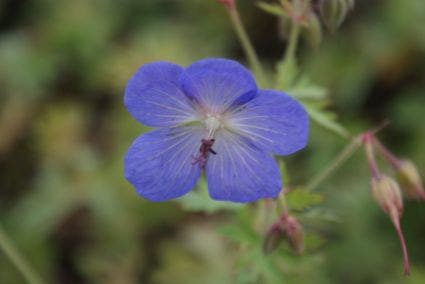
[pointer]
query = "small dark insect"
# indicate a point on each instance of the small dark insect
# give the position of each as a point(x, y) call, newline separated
point(204, 150)
point(206, 146)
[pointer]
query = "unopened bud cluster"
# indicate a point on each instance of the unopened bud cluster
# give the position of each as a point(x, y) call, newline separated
point(309, 15)
point(410, 180)
point(386, 191)
point(286, 228)
point(333, 12)
point(387, 194)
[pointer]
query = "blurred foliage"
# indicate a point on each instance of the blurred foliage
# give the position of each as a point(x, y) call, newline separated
point(64, 131)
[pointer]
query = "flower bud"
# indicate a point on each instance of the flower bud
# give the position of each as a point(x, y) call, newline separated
point(387, 194)
point(273, 238)
point(286, 227)
point(294, 233)
point(333, 12)
point(410, 180)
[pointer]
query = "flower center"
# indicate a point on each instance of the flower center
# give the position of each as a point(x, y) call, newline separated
point(212, 123)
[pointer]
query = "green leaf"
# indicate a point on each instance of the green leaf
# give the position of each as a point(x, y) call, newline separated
point(199, 201)
point(313, 242)
point(299, 199)
point(238, 233)
point(241, 229)
point(325, 119)
point(268, 268)
point(305, 89)
point(316, 216)
point(246, 276)
point(274, 9)
point(287, 72)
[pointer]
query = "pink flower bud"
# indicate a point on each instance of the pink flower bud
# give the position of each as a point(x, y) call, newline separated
point(273, 238)
point(286, 227)
point(387, 194)
point(410, 180)
point(294, 233)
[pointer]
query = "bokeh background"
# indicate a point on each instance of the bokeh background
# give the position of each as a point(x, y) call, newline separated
point(63, 133)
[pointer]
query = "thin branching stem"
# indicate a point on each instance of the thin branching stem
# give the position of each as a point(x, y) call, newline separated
point(292, 42)
point(396, 221)
point(370, 155)
point(247, 46)
point(390, 157)
point(336, 163)
point(282, 204)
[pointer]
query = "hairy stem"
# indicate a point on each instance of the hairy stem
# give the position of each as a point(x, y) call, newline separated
point(370, 155)
point(396, 222)
point(334, 164)
point(17, 259)
point(282, 205)
point(292, 42)
point(247, 46)
point(390, 157)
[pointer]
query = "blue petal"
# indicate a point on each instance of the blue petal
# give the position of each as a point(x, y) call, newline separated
point(273, 121)
point(153, 97)
point(159, 163)
point(240, 172)
point(217, 84)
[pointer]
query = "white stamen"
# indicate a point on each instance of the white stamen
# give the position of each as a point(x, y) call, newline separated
point(212, 123)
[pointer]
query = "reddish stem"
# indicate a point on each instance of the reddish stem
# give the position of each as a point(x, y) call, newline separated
point(396, 221)
point(390, 157)
point(373, 167)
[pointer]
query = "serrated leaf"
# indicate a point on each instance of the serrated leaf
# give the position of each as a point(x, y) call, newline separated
point(199, 201)
point(326, 119)
point(304, 89)
point(309, 93)
point(299, 199)
point(241, 230)
point(317, 215)
point(268, 268)
point(238, 233)
point(274, 9)
point(287, 72)
point(246, 276)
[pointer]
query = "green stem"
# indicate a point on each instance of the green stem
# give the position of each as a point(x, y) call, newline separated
point(284, 172)
point(247, 46)
point(335, 164)
point(292, 42)
point(18, 261)
point(288, 65)
point(282, 205)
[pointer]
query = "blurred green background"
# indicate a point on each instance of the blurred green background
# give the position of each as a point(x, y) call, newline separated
point(64, 131)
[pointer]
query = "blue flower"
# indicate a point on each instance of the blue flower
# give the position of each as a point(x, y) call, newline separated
point(209, 117)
